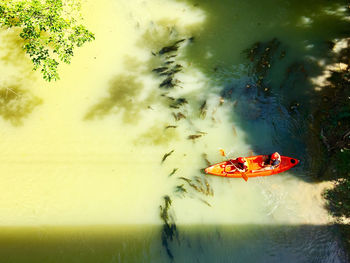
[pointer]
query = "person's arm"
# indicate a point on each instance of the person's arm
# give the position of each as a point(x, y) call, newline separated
point(276, 163)
point(245, 168)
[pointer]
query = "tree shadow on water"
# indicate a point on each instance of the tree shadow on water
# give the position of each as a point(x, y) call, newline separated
point(16, 104)
point(12, 53)
point(157, 135)
point(131, 97)
point(124, 97)
point(196, 243)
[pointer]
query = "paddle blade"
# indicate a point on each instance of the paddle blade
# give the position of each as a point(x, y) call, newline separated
point(222, 152)
point(245, 177)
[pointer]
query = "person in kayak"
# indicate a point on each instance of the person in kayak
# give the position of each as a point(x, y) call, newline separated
point(242, 164)
point(272, 162)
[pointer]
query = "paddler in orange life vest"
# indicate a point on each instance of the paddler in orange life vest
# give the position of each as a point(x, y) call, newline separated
point(242, 164)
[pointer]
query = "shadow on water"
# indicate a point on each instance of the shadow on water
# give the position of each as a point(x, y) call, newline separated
point(157, 135)
point(16, 101)
point(124, 98)
point(271, 92)
point(128, 96)
point(12, 53)
point(17, 104)
point(209, 243)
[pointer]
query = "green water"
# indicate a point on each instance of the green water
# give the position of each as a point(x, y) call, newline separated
point(203, 243)
point(82, 172)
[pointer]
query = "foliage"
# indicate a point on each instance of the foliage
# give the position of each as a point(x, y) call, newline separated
point(335, 131)
point(49, 29)
point(338, 198)
point(342, 163)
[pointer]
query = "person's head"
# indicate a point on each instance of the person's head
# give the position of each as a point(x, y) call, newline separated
point(275, 156)
point(240, 160)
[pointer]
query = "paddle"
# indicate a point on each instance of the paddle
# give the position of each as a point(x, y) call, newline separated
point(244, 176)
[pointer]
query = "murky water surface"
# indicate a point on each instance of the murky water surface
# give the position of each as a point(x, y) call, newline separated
point(131, 122)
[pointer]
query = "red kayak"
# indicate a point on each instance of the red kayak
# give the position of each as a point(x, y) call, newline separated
point(255, 167)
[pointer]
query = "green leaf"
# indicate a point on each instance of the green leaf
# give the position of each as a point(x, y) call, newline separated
point(49, 30)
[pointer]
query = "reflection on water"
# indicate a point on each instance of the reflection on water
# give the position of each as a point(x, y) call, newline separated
point(137, 116)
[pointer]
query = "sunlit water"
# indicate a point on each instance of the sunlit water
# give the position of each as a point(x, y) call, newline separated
point(87, 150)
